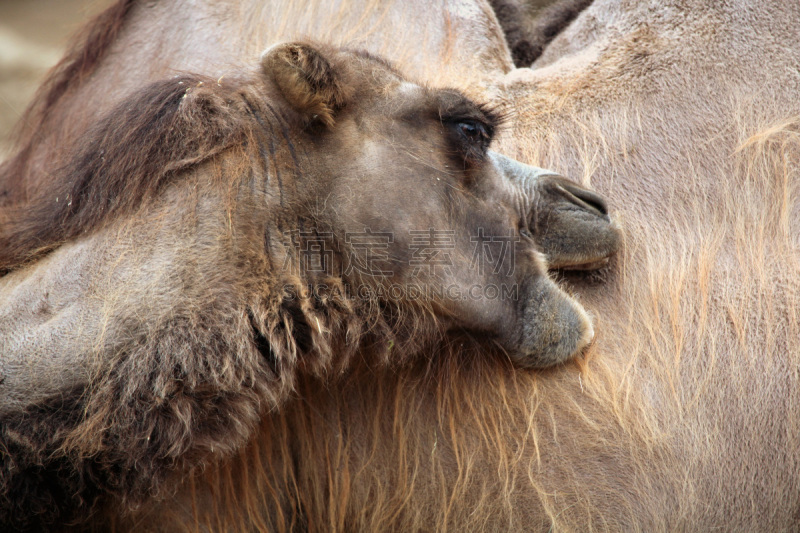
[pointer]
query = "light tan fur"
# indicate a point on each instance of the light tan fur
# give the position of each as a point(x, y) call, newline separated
point(684, 415)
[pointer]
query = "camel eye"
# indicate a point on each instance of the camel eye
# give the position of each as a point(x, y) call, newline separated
point(474, 131)
point(470, 137)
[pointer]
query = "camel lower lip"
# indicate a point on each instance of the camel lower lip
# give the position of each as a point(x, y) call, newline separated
point(554, 328)
point(583, 344)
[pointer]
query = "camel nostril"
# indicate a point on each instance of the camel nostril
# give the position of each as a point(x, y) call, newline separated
point(571, 225)
point(586, 199)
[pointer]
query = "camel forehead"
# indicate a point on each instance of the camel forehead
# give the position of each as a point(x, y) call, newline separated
point(401, 95)
point(405, 99)
point(382, 76)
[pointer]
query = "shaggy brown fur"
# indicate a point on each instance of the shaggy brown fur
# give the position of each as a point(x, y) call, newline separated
point(137, 150)
point(683, 416)
point(120, 437)
point(194, 183)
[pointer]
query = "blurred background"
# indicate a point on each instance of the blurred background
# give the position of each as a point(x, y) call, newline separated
point(33, 36)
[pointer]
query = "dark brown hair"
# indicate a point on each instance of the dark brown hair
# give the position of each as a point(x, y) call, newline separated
point(125, 160)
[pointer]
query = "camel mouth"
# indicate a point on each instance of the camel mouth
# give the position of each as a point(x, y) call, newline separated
point(584, 199)
point(586, 267)
point(570, 223)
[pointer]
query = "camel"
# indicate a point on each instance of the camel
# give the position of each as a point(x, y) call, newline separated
point(682, 413)
point(162, 252)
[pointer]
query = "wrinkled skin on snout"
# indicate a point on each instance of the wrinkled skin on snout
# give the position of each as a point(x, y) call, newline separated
point(222, 239)
point(451, 226)
point(569, 223)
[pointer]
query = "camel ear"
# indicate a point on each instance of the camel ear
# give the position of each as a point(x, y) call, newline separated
point(306, 79)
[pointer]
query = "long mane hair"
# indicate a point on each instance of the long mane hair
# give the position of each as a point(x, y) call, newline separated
point(696, 349)
point(126, 159)
point(187, 385)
